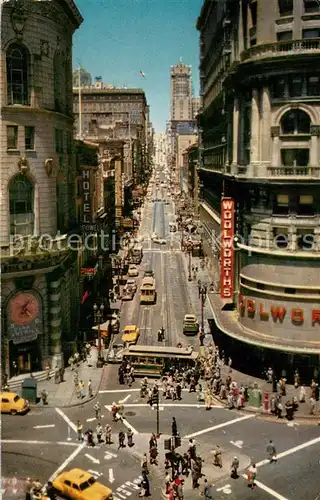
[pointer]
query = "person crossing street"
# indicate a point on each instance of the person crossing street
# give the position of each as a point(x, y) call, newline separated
point(97, 410)
point(80, 431)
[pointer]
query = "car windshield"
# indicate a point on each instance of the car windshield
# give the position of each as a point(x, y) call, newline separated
point(86, 484)
point(16, 398)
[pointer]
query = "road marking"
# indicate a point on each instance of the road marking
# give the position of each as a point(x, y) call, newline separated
point(290, 451)
point(238, 444)
point(66, 419)
point(125, 399)
point(124, 421)
point(115, 391)
point(170, 405)
point(219, 426)
point(134, 486)
point(111, 476)
point(91, 419)
point(67, 461)
point(23, 441)
point(94, 460)
point(109, 455)
point(95, 472)
point(43, 426)
point(225, 489)
point(271, 492)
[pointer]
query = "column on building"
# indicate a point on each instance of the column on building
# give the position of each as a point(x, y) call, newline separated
point(55, 322)
point(235, 131)
point(265, 127)
point(314, 150)
point(275, 148)
point(255, 126)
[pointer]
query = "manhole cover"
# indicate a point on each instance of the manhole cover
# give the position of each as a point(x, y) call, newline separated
point(130, 414)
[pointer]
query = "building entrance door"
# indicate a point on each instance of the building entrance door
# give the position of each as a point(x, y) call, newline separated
point(24, 358)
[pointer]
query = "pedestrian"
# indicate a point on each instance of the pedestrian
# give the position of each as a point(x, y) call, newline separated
point(179, 391)
point(90, 394)
point(167, 481)
point(144, 464)
point(108, 431)
point(50, 491)
point(302, 394)
point(15, 369)
point(44, 396)
point(174, 427)
point(185, 462)
point(192, 449)
point(153, 455)
point(81, 389)
point(89, 435)
point(47, 371)
point(252, 474)
point(80, 430)
point(207, 494)
point(61, 374)
point(271, 450)
point(145, 486)
point(56, 376)
point(121, 440)
point(234, 468)
point(28, 488)
point(97, 410)
point(130, 437)
point(217, 457)
point(99, 432)
point(313, 404)
point(230, 362)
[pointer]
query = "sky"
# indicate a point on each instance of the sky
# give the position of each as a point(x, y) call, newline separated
point(118, 38)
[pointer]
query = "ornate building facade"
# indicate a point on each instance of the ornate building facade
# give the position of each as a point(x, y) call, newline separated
point(260, 145)
point(39, 274)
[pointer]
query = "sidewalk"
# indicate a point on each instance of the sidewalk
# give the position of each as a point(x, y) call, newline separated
point(64, 394)
point(303, 411)
point(205, 451)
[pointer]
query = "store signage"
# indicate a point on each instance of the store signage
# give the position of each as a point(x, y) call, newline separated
point(88, 271)
point(86, 197)
point(227, 250)
point(254, 308)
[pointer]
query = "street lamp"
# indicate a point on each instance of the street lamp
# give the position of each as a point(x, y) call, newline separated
point(98, 319)
point(202, 296)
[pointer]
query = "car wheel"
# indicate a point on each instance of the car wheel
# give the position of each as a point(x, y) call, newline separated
point(13, 412)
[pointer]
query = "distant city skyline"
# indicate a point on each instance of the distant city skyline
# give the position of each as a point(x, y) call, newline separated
point(119, 41)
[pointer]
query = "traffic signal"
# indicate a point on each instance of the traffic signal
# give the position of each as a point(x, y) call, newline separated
point(176, 441)
point(155, 398)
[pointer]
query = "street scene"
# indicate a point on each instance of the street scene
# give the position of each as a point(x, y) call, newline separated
point(160, 250)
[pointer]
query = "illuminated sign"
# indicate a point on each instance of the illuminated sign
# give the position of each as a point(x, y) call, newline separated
point(88, 271)
point(87, 213)
point(227, 251)
point(277, 313)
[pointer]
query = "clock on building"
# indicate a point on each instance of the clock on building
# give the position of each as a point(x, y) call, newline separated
point(23, 308)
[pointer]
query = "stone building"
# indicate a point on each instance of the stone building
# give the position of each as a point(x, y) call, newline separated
point(39, 275)
point(260, 145)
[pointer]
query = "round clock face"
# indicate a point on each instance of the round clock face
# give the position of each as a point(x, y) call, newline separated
point(23, 308)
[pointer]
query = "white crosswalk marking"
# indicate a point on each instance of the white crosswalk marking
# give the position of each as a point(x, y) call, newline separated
point(132, 485)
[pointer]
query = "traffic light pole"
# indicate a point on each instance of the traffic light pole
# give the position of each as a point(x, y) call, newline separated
point(158, 417)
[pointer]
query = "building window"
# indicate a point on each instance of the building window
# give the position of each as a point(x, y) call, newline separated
point(281, 239)
point(285, 7)
point(313, 85)
point(305, 205)
point(295, 157)
point(295, 86)
point(279, 88)
point(21, 196)
point(295, 122)
point(17, 61)
point(311, 33)
point(311, 6)
point(281, 204)
point(12, 137)
point(284, 35)
point(29, 138)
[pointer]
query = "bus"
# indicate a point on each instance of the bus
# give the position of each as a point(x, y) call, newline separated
point(136, 254)
point(154, 361)
point(148, 294)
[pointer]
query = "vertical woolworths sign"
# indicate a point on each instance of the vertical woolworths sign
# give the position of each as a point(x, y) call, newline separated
point(227, 250)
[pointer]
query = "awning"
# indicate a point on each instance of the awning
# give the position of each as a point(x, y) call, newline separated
point(291, 276)
point(104, 328)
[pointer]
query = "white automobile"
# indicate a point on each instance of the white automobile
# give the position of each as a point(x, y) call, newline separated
point(128, 293)
point(133, 271)
point(162, 241)
point(131, 283)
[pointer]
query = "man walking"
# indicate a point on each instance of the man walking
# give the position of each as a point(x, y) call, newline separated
point(80, 431)
point(207, 495)
point(121, 440)
point(174, 427)
point(271, 450)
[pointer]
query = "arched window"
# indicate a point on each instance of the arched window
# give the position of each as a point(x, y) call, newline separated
point(17, 74)
point(21, 205)
point(295, 121)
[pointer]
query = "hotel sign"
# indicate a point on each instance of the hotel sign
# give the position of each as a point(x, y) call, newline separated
point(227, 250)
point(86, 197)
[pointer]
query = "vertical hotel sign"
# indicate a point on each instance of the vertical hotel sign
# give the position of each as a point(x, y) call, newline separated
point(227, 250)
point(86, 193)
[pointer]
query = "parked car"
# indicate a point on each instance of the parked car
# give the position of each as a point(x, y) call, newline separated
point(133, 271)
point(132, 284)
point(12, 403)
point(78, 484)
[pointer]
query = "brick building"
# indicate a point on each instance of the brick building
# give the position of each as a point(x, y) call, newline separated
point(39, 274)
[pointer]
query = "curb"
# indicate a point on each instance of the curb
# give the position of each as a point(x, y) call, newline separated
point(73, 405)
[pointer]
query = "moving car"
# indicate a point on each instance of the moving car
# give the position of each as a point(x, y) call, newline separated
point(81, 485)
point(131, 283)
point(12, 403)
point(130, 334)
point(133, 271)
point(127, 293)
point(148, 272)
point(190, 324)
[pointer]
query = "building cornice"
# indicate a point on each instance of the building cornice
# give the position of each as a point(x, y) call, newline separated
point(72, 11)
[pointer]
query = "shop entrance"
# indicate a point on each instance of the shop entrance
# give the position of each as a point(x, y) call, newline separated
point(25, 358)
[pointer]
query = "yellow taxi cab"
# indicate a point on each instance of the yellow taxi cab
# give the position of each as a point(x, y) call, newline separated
point(130, 334)
point(80, 485)
point(12, 403)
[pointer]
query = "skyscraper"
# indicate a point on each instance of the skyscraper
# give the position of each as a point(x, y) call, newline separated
point(180, 92)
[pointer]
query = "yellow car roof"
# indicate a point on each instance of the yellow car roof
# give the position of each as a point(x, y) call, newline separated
point(130, 328)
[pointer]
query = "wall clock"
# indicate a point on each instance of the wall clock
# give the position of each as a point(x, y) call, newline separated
point(23, 308)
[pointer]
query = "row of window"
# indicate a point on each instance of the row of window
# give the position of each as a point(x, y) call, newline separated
point(29, 139)
point(108, 97)
point(286, 7)
point(306, 33)
point(272, 288)
point(295, 86)
point(303, 204)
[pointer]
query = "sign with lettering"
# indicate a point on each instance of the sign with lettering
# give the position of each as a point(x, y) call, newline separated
point(24, 315)
point(86, 197)
point(227, 250)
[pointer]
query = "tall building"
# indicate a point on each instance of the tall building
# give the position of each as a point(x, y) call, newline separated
point(83, 76)
point(260, 146)
point(39, 273)
point(195, 106)
point(180, 92)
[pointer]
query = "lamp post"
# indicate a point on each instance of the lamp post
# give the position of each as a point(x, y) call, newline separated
point(202, 296)
point(98, 319)
point(189, 249)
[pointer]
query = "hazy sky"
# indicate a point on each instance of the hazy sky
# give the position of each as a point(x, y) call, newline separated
point(118, 38)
